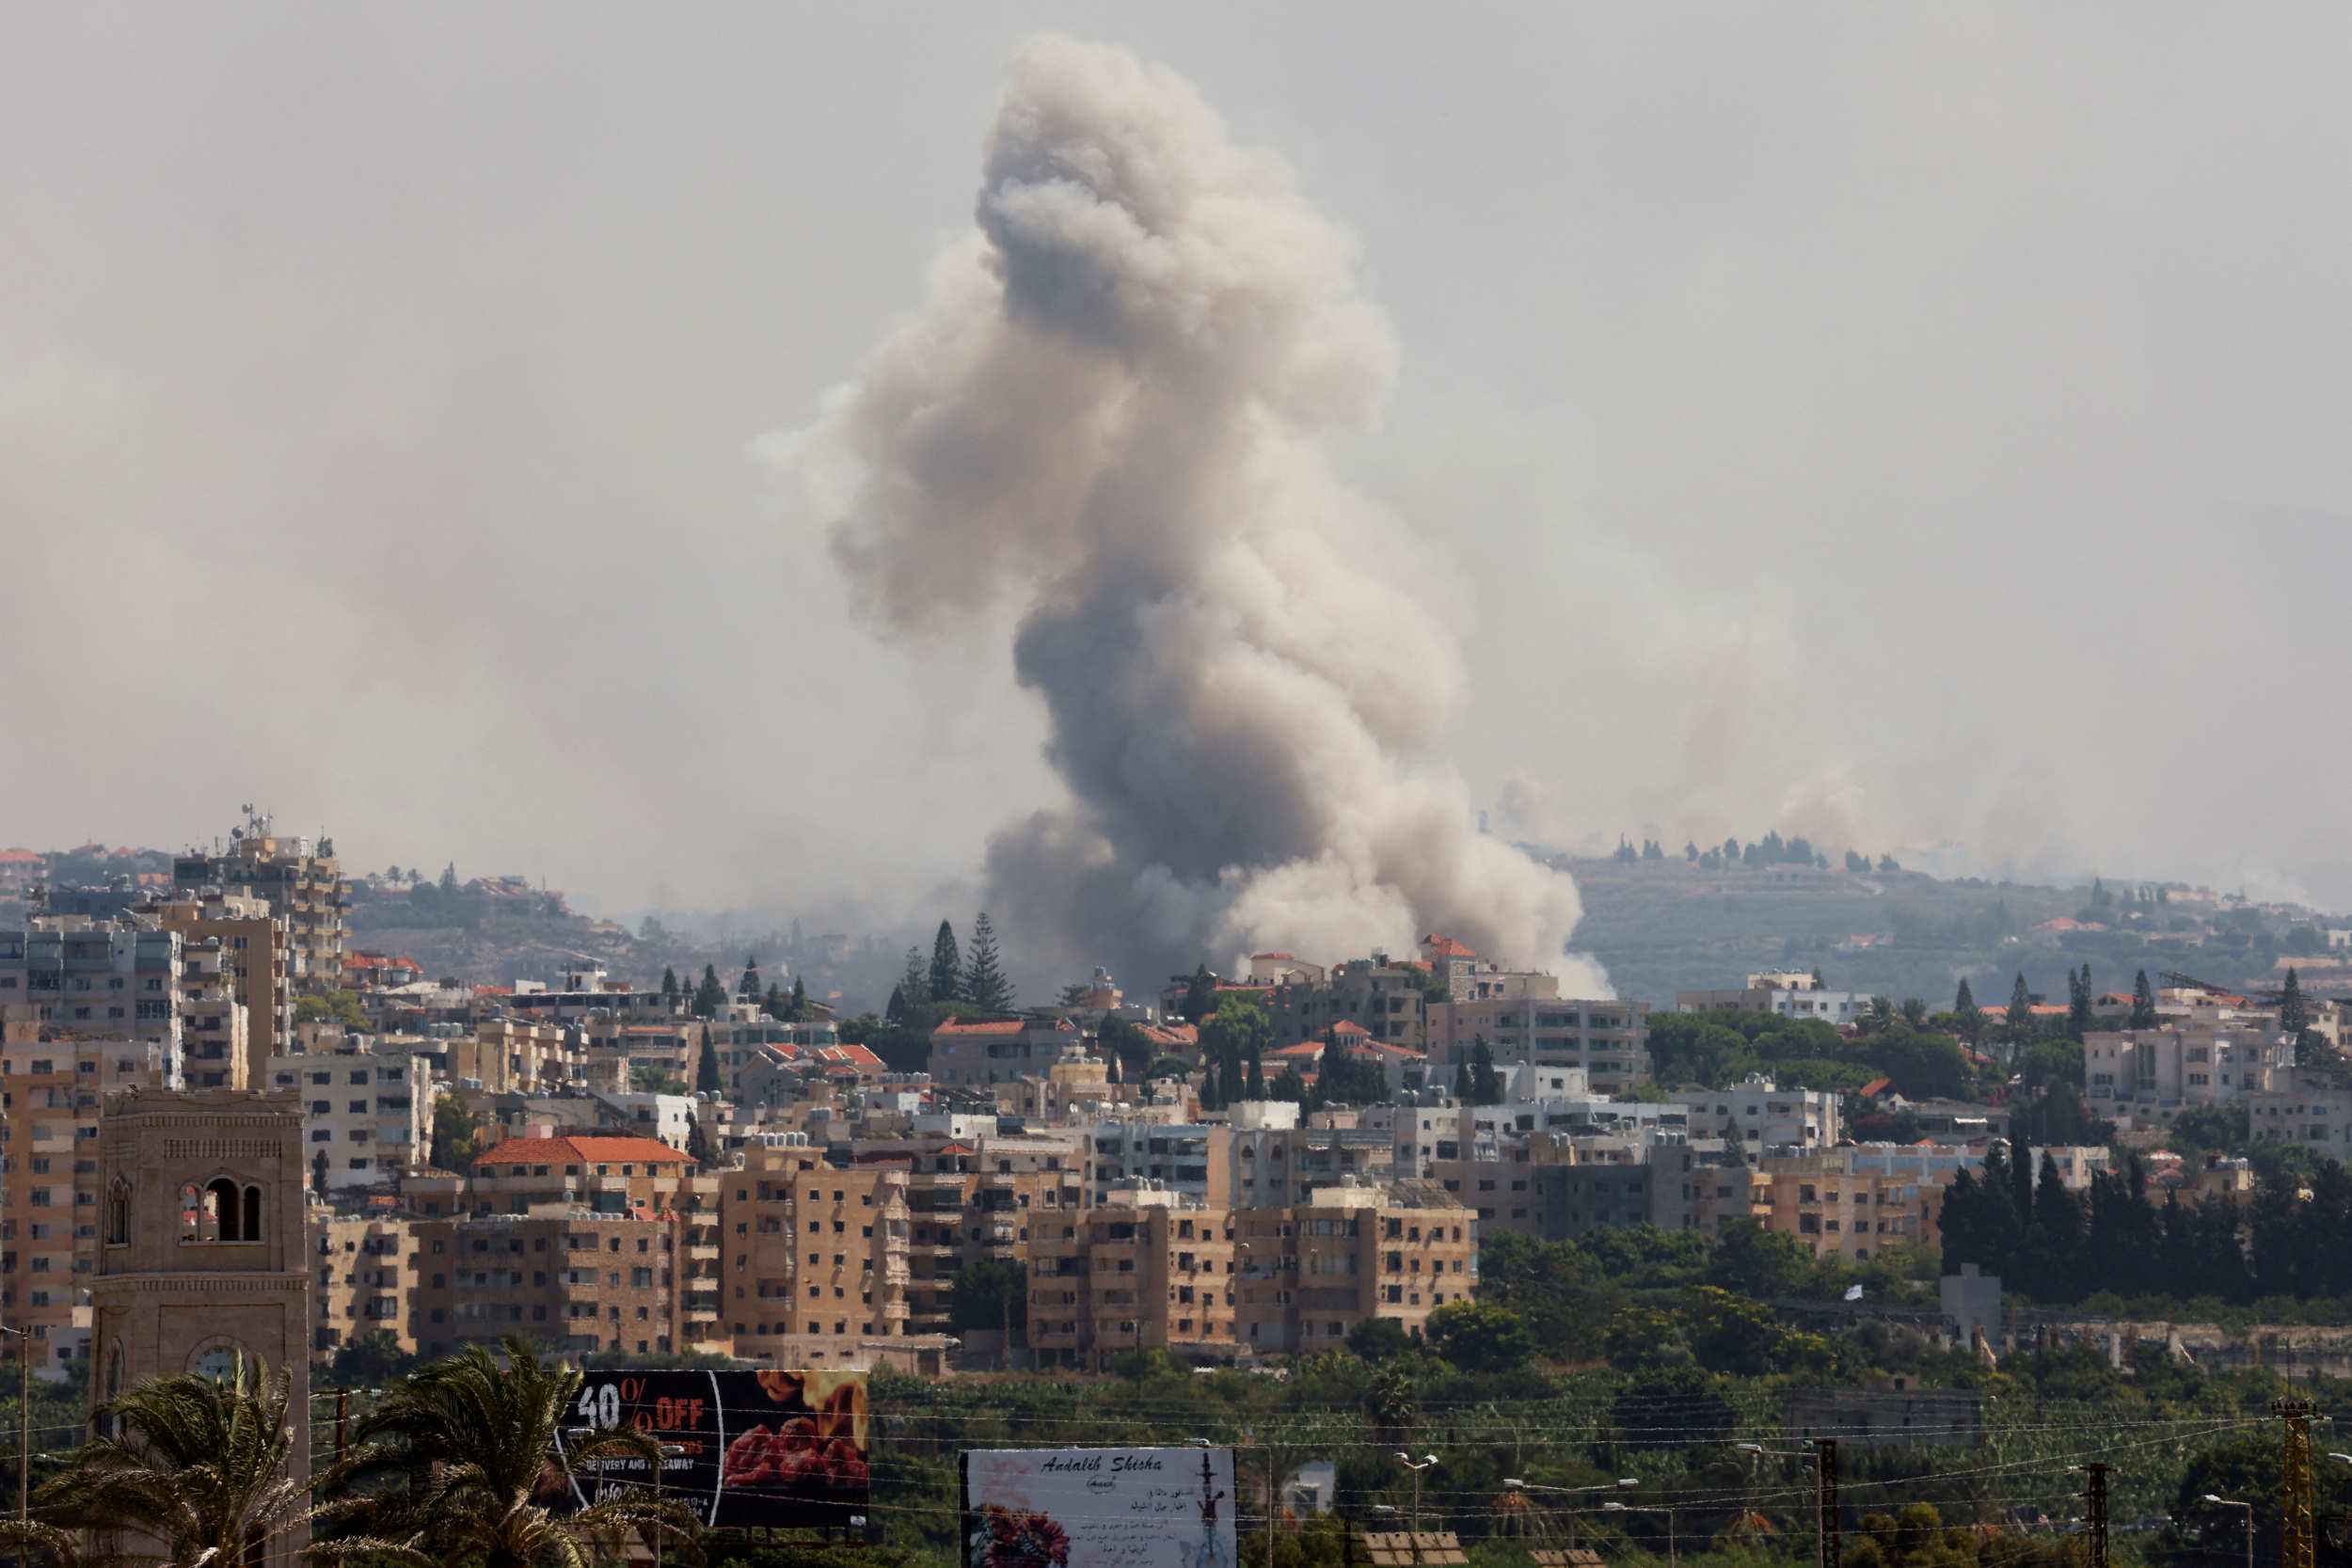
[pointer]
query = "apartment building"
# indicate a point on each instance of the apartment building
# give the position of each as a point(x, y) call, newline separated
point(983, 1053)
point(591, 1243)
point(367, 1279)
point(1838, 1210)
point(1148, 1270)
point(106, 980)
point(2304, 1110)
point(1468, 977)
point(1311, 1271)
point(981, 1200)
point(1756, 1114)
point(52, 1082)
point(811, 1249)
point(1390, 1001)
point(256, 958)
point(300, 881)
point(215, 1051)
point(2144, 1077)
point(1608, 1042)
point(1792, 994)
point(367, 1110)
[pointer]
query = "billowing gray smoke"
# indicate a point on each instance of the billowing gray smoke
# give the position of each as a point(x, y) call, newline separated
point(1106, 413)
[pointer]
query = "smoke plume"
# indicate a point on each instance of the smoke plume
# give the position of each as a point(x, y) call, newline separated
point(1106, 416)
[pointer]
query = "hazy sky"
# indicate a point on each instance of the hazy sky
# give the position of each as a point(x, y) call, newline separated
point(1905, 424)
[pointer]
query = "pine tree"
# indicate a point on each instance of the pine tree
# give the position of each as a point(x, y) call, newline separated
point(697, 1141)
point(984, 983)
point(708, 1079)
point(2020, 1018)
point(945, 981)
point(669, 984)
point(798, 1007)
point(2079, 1002)
point(1200, 995)
point(710, 995)
point(1461, 1081)
point(1969, 1017)
point(318, 1173)
point(749, 988)
point(2295, 1014)
point(895, 1014)
point(449, 877)
point(2143, 1004)
point(773, 1004)
point(915, 982)
point(1485, 1083)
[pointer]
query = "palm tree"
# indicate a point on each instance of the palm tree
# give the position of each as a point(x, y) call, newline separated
point(476, 1442)
point(196, 1470)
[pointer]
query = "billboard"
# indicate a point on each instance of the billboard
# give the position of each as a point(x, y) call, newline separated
point(772, 1448)
point(1097, 1507)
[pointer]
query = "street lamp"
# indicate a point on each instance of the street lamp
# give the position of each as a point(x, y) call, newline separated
point(1615, 1507)
point(1516, 1485)
point(2233, 1502)
point(1822, 1452)
point(1417, 1467)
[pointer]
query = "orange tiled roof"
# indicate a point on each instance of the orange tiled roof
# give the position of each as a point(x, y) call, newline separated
point(583, 1150)
point(981, 1026)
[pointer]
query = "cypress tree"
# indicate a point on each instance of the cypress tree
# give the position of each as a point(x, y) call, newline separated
point(1200, 995)
point(945, 981)
point(697, 1141)
point(1253, 1081)
point(708, 1079)
point(1461, 1081)
point(2079, 1002)
point(2143, 1003)
point(1969, 1016)
point(669, 984)
point(749, 988)
point(2295, 1014)
point(895, 1014)
point(984, 983)
point(710, 995)
point(2020, 1018)
point(799, 1004)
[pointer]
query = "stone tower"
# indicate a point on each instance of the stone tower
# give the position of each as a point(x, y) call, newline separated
point(201, 1238)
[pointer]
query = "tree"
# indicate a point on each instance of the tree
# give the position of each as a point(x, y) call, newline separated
point(456, 1134)
point(1480, 1337)
point(895, 1013)
point(1751, 1260)
point(2295, 1014)
point(1235, 1038)
point(798, 1007)
point(697, 1140)
point(710, 994)
point(749, 987)
point(318, 1173)
point(2078, 1003)
point(1966, 1016)
point(1462, 1087)
point(1200, 995)
point(993, 1292)
point(341, 1008)
point(473, 1440)
point(2143, 1004)
point(944, 982)
point(914, 981)
point(708, 1079)
point(1378, 1340)
point(669, 984)
point(2020, 1017)
point(984, 983)
point(201, 1467)
point(449, 877)
point(1485, 1083)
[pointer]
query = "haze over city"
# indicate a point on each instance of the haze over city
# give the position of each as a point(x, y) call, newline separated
point(1907, 429)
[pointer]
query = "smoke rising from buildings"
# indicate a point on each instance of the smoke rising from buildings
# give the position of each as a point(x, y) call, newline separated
point(1105, 417)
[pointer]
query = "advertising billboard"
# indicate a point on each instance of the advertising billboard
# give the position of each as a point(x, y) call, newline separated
point(1097, 1507)
point(767, 1449)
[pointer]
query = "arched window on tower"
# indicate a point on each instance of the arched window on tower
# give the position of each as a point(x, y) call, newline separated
point(119, 1214)
point(220, 1197)
point(195, 1214)
point(252, 1228)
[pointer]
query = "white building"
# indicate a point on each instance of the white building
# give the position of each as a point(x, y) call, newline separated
point(1757, 1115)
point(369, 1113)
point(2145, 1076)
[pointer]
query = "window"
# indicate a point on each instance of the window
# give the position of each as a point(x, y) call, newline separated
point(119, 1214)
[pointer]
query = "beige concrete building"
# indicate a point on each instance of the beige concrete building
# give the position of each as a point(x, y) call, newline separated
point(98, 979)
point(215, 1051)
point(52, 1082)
point(367, 1279)
point(1837, 1211)
point(300, 881)
point(203, 1244)
point(1607, 1040)
point(1389, 1000)
point(1309, 1272)
point(255, 952)
point(1148, 1270)
point(367, 1111)
point(811, 1252)
point(980, 1053)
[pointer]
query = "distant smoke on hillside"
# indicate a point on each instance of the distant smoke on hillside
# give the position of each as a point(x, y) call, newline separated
point(1104, 417)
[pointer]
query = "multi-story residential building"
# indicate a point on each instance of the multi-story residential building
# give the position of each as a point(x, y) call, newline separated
point(215, 1052)
point(367, 1113)
point(983, 1053)
point(592, 1242)
point(811, 1250)
point(300, 881)
point(1311, 1271)
point(1468, 977)
point(1148, 1270)
point(2143, 1077)
point(367, 1279)
point(1609, 1040)
point(1756, 1114)
point(54, 1081)
point(2304, 1110)
point(120, 981)
point(1194, 1159)
point(976, 1200)
point(1792, 994)
point(256, 954)
point(1837, 1211)
point(1389, 1000)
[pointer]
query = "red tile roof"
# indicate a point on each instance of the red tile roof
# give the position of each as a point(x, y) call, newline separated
point(580, 1151)
point(1446, 947)
point(981, 1026)
point(1875, 1087)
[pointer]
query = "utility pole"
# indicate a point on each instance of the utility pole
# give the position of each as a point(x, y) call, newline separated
point(1825, 1479)
point(343, 1424)
point(2095, 1499)
point(2296, 1545)
point(23, 1425)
